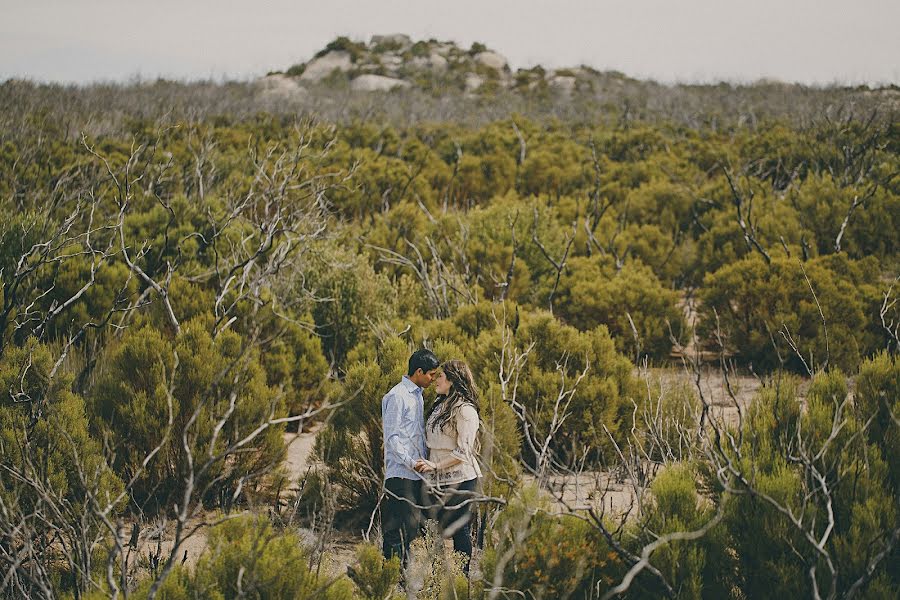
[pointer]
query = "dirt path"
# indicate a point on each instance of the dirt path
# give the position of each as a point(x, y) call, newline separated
point(160, 536)
point(725, 406)
point(299, 450)
point(617, 496)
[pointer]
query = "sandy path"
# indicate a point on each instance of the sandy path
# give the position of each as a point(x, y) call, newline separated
point(299, 450)
point(723, 407)
point(160, 536)
point(589, 488)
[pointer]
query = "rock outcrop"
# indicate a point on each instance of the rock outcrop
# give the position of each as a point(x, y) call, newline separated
point(376, 83)
point(394, 61)
point(394, 39)
point(320, 68)
point(473, 82)
point(492, 60)
point(564, 83)
point(280, 86)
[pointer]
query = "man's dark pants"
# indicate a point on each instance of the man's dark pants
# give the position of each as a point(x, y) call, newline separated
point(401, 516)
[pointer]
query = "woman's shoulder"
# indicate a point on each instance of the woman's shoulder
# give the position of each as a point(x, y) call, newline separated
point(468, 411)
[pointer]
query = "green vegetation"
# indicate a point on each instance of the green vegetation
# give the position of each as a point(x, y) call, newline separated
point(279, 567)
point(195, 276)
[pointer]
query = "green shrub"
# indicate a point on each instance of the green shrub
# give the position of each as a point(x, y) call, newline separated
point(344, 44)
point(560, 354)
point(374, 577)
point(45, 433)
point(131, 406)
point(351, 445)
point(545, 555)
point(247, 558)
point(353, 296)
point(296, 70)
point(439, 570)
point(752, 303)
point(51, 465)
point(293, 361)
point(640, 314)
point(772, 554)
point(667, 420)
point(878, 398)
point(696, 569)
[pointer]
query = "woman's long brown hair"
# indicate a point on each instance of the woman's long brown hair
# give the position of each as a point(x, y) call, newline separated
point(462, 391)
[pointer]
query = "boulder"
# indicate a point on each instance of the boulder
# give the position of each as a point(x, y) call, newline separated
point(434, 62)
point(444, 49)
point(564, 83)
point(493, 60)
point(376, 83)
point(320, 68)
point(437, 61)
point(391, 61)
point(280, 86)
point(473, 82)
point(394, 39)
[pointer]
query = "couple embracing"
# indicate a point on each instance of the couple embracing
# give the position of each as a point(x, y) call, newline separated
point(430, 467)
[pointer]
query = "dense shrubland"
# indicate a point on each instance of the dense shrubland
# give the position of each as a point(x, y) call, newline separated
point(179, 288)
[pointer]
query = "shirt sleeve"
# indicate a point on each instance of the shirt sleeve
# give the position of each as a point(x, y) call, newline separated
point(466, 431)
point(395, 442)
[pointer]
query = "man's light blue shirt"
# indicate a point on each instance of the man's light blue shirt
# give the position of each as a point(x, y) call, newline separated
point(403, 420)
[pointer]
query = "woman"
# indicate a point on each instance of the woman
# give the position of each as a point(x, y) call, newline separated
point(452, 470)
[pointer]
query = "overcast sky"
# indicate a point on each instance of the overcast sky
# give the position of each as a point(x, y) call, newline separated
point(810, 41)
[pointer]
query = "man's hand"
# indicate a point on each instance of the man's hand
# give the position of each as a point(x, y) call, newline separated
point(424, 466)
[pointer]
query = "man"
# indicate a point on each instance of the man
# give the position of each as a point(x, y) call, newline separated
point(403, 420)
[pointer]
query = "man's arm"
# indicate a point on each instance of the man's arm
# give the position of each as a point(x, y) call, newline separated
point(395, 440)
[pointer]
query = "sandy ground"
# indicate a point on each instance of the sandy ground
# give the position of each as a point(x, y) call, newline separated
point(160, 536)
point(612, 496)
point(725, 406)
point(299, 450)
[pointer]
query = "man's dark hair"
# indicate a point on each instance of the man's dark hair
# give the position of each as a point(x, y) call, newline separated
point(423, 359)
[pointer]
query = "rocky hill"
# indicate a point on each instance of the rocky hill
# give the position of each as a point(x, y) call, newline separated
point(388, 62)
point(394, 79)
point(441, 80)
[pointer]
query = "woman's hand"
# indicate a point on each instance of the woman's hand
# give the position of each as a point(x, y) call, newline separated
point(424, 466)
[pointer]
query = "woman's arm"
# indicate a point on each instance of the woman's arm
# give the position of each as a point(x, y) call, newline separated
point(466, 430)
point(450, 461)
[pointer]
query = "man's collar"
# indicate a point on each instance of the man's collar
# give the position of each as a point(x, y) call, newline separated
point(410, 385)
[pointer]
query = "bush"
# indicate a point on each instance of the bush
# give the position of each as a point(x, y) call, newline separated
point(547, 556)
point(667, 420)
point(374, 577)
point(559, 355)
point(878, 398)
point(296, 70)
point(693, 568)
point(45, 433)
point(344, 44)
point(351, 445)
point(440, 571)
point(51, 467)
point(752, 303)
point(592, 294)
point(247, 558)
point(772, 555)
point(131, 406)
point(293, 360)
point(352, 296)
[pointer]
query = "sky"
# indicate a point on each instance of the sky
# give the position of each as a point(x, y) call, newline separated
point(807, 41)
